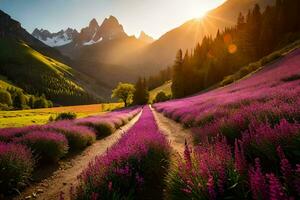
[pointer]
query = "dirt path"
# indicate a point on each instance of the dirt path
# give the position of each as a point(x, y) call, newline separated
point(174, 132)
point(63, 179)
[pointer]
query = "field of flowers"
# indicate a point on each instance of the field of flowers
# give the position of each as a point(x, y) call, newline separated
point(246, 135)
point(22, 149)
point(133, 168)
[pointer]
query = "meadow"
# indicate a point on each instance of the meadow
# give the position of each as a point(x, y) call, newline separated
point(41, 116)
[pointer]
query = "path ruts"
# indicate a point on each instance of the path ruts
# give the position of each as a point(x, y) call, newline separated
point(174, 132)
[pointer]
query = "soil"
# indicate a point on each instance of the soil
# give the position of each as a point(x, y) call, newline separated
point(174, 132)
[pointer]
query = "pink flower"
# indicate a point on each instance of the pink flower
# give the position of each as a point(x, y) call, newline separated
point(257, 182)
point(286, 168)
point(187, 156)
point(110, 186)
point(240, 161)
point(211, 188)
point(276, 191)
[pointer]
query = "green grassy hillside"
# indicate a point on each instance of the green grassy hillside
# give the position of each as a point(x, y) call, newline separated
point(166, 88)
point(38, 74)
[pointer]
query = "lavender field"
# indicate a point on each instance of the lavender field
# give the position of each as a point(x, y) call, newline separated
point(24, 149)
point(246, 138)
point(150, 100)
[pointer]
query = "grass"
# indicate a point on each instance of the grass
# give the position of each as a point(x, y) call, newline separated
point(4, 83)
point(41, 116)
point(37, 73)
point(166, 88)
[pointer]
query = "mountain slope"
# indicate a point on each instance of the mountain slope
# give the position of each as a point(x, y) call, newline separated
point(28, 63)
point(162, 52)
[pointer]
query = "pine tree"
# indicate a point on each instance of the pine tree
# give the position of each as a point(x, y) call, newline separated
point(141, 94)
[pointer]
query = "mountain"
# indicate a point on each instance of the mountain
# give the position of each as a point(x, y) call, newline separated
point(100, 51)
point(146, 38)
point(142, 55)
point(60, 38)
point(36, 68)
point(161, 52)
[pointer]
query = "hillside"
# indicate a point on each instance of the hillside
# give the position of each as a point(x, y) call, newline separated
point(161, 53)
point(38, 69)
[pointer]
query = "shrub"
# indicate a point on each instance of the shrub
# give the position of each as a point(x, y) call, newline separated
point(48, 146)
point(161, 97)
point(40, 103)
point(19, 100)
point(103, 128)
point(16, 165)
point(228, 80)
point(8, 134)
point(4, 107)
point(78, 137)
point(66, 116)
point(5, 97)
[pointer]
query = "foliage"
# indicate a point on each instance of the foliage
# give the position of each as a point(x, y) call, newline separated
point(38, 74)
point(16, 165)
point(124, 91)
point(250, 40)
point(159, 79)
point(66, 116)
point(161, 97)
point(5, 97)
point(48, 146)
point(78, 137)
point(141, 93)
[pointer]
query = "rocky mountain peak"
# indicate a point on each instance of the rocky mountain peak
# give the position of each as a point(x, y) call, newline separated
point(146, 38)
point(93, 24)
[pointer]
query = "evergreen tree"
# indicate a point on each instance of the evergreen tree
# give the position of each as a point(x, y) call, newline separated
point(177, 84)
point(5, 97)
point(19, 101)
point(141, 94)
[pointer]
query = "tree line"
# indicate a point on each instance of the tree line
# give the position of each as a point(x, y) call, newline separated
point(255, 35)
point(16, 99)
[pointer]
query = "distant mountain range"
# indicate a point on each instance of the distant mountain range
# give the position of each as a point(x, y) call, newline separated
point(105, 54)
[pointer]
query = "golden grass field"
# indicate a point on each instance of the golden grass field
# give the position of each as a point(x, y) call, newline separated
point(41, 116)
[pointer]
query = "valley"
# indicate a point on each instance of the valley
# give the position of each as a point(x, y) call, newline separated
point(94, 108)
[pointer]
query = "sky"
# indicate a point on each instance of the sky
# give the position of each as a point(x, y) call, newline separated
point(155, 17)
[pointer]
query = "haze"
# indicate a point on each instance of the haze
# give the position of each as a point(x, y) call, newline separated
point(155, 17)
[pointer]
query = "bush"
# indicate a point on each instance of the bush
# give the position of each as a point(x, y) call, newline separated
point(16, 165)
point(19, 100)
point(66, 116)
point(78, 137)
point(48, 146)
point(102, 129)
point(5, 97)
point(228, 80)
point(161, 97)
point(4, 107)
point(40, 103)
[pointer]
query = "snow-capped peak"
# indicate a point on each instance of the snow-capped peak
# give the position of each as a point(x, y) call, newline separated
point(60, 38)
